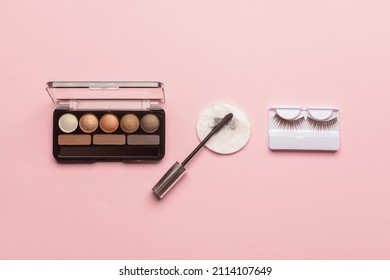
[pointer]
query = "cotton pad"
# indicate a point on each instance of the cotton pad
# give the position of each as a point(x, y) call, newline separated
point(231, 138)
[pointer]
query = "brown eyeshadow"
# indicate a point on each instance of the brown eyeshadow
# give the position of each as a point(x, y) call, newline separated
point(74, 139)
point(129, 123)
point(143, 139)
point(88, 123)
point(150, 123)
point(109, 123)
point(109, 139)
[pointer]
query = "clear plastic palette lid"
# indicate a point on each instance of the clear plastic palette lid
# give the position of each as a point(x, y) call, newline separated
point(106, 95)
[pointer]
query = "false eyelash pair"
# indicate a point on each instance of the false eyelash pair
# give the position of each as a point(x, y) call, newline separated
point(294, 128)
point(295, 124)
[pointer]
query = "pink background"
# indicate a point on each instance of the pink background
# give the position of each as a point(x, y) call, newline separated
point(254, 204)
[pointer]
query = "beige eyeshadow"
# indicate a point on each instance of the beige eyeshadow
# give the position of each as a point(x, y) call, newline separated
point(129, 123)
point(68, 123)
point(88, 123)
point(143, 139)
point(109, 139)
point(74, 139)
point(150, 123)
point(109, 123)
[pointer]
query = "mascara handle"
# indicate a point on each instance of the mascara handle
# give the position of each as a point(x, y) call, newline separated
point(170, 178)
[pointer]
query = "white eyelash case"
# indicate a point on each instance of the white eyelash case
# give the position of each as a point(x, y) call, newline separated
point(295, 128)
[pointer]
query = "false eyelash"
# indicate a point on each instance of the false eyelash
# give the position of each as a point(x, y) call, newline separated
point(322, 125)
point(288, 124)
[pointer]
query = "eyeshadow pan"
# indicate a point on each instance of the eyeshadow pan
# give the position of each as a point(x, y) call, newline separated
point(150, 123)
point(109, 123)
point(109, 139)
point(88, 123)
point(129, 123)
point(74, 139)
point(68, 123)
point(143, 139)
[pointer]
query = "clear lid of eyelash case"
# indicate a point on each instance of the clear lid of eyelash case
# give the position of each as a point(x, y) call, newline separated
point(107, 95)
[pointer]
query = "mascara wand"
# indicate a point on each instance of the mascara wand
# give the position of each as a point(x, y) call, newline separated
point(172, 176)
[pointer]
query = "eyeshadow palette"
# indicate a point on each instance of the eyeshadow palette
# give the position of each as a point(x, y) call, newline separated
point(122, 128)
